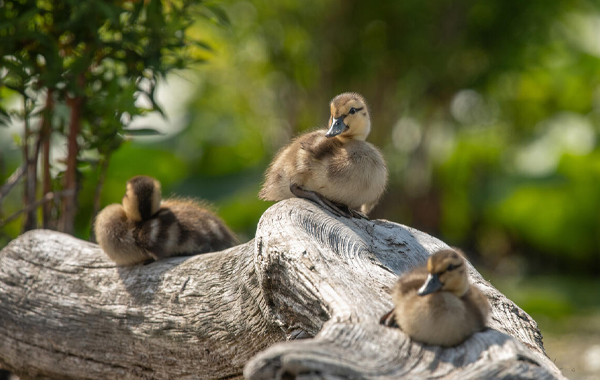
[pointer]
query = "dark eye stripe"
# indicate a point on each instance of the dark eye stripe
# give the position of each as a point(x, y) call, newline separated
point(453, 267)
point(351, 113)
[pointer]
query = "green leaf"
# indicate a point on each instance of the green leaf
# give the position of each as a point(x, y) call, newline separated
point(219, 13)
point(203, 45)
point(26, 16)
point(136, 12)
point(17, 139)
point(142, 132)
point(4, 117)
point(19, 89)
point(4, 113)
point(111, 13)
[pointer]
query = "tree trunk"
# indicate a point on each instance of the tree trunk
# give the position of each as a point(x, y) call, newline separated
point(30, 183)
point(46, 133)
point(68, 312)
point(69, 205)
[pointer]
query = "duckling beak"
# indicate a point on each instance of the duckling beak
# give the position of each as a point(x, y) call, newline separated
point(432, 284)
point(337, 127)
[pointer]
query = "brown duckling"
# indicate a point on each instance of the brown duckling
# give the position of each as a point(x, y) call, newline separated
point(336, 168)
point(436, 304)
point(143, 228)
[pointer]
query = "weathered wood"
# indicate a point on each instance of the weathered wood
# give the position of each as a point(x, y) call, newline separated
point(68, 312)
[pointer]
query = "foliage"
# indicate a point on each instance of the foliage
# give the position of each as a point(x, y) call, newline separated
point(487, 114)
point(553, 299)
point(97, 60)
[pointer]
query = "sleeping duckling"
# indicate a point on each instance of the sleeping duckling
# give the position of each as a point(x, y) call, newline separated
point(436, 305)
point(144, 229)
point(335, 168)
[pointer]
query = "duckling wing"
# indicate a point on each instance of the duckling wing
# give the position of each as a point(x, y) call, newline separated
point(404, 294)
point(295, 163)
point(478, 308)
point(359, 172)
point(318, 147)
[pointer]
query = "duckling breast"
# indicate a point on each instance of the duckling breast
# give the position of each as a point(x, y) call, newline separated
point(438, 319)
point(359, 173)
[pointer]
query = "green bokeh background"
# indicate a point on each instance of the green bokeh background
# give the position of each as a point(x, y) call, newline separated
point(488, 114)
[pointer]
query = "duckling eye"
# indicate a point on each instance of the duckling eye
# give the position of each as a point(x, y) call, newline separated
point(352, 111)
point(452, 266)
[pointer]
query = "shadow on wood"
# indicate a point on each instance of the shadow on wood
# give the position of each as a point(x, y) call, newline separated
point(68, 312)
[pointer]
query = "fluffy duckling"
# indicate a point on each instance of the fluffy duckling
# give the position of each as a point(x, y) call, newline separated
point(336, 168)
point(143, 228)
point(436, 305)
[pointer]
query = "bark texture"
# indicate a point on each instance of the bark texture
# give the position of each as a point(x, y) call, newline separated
point(67, 312)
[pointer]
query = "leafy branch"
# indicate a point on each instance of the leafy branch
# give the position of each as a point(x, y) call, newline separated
point(94, 58)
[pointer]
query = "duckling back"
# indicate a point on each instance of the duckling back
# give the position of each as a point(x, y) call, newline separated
point(183, 227)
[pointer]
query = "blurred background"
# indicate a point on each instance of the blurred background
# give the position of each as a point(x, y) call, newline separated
point(488, 115)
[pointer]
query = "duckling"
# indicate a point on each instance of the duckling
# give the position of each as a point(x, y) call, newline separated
point(335, 168)
point(143, 228)
point(436, 305)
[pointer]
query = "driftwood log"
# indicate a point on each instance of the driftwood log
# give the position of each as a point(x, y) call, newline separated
point(302, 300)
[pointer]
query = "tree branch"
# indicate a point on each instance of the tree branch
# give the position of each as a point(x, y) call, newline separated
point(34, 205)
point(12, 181)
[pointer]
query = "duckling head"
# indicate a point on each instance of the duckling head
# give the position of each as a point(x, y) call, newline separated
point(142, 198)
point(349, 117)
point(447, 273)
